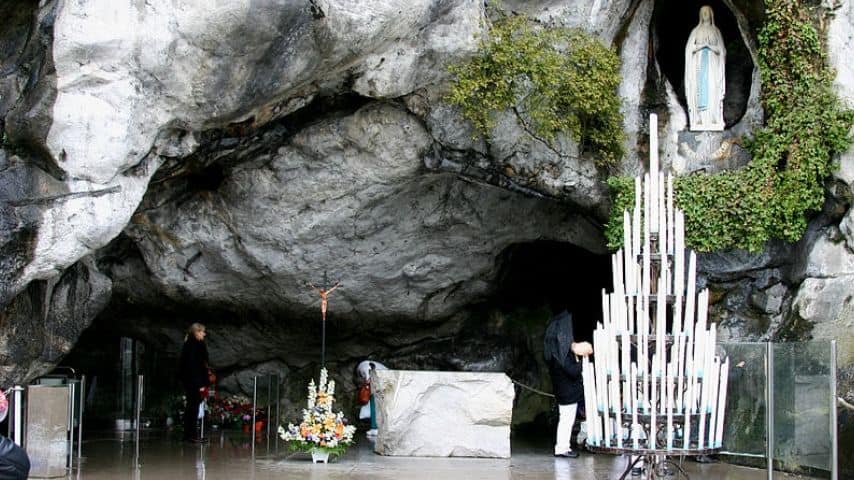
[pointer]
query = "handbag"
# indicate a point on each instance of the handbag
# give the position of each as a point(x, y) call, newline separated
point(363, 395)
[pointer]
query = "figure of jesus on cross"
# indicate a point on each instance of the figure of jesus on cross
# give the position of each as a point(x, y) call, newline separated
point(324, 303)
point(324, 296)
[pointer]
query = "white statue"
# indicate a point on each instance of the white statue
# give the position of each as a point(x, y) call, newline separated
point(705, 82)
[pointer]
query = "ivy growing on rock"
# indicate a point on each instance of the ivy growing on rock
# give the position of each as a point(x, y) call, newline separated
point(556, 79)
point(806, 126)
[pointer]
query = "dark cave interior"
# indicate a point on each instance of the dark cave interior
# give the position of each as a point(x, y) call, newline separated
point(501, 333)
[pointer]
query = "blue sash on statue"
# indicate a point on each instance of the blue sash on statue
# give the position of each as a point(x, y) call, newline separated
point(703, 80)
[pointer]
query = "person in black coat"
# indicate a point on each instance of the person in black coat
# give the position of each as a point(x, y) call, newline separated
point(562, 358)
point(193, 373)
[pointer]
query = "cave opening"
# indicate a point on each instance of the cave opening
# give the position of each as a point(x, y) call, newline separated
point(552, 276)
point(672, 23)
point(536, 281)
point(502, 332)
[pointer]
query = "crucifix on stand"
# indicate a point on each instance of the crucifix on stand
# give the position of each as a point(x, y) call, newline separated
point(324, 292)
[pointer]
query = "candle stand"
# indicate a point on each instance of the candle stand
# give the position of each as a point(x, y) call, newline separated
point(657, 388)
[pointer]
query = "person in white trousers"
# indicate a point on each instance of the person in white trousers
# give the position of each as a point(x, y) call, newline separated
point(562, 355)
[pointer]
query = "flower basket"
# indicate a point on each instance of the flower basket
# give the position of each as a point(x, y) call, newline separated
point(319, 456)
point(321, 431)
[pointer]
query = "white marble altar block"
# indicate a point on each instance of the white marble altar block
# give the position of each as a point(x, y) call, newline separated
point(443, 414)
point(47, 430)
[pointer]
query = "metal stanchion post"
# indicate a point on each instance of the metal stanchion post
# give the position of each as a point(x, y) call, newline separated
point(80, 422)
point(276, 417)
point(137, 415)
point(71, 390)
point(834, 426)
point(18, 399)
point(769, 407)
point(11, 420)
point(269, 408)
point(254, 407)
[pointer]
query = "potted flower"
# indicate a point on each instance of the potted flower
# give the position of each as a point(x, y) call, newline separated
point(322, 431)
point(246, 427)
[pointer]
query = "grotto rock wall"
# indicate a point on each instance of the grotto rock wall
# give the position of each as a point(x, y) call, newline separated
point(164, 162)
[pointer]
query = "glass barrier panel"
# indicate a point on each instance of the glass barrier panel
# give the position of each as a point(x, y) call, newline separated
point(802, 429)
point(267, 411)
point(746, 409)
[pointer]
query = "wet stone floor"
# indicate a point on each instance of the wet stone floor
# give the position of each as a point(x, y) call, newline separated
point(231, 455)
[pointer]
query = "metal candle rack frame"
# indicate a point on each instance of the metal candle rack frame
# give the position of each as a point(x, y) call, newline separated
point(657, 378)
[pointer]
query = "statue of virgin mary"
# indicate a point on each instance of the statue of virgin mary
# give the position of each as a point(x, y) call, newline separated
point(705, 82)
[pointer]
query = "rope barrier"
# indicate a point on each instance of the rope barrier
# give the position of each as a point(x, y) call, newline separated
point(540, 392)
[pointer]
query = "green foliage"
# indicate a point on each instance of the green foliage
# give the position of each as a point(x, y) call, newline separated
point(564, 80)
point(806, 126)
point(307, 447)
point(622, 198)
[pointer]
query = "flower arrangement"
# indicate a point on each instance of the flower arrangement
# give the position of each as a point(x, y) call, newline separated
point(321, 429)
point(232, 411)
point(4, 405)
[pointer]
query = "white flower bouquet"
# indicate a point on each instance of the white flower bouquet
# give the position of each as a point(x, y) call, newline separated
point(321, 429)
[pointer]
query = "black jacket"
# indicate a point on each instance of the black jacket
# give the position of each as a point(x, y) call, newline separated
point(193, 367)
point(14, 464)
point(566, 380)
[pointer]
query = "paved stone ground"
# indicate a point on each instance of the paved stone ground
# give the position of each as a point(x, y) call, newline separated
point(230, 456)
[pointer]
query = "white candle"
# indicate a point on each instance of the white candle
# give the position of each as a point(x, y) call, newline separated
point(704, 395)
point(636, 219)
point(630, 312)
point(712, 407)
point(690, 394)
point(618, 417)
point(669, 408)
point(661, 312)
point(645, 276)
point(653, 171)
point(607, 420)
point(690, 296)
point(680, 371)
point(627, 253)
point(702, 308)
point(633, 377)
point(645, 373)
point(588, 389)
point(699, 352)
point(662, 218)
point(652, 418)
point(646, 300)
point(625, 353)
point(615, 313)
point(599, 370)
point(670, 214)
point(709, 350)
point(598, 411)
point(606, 308)
point(719, 433)
point(621, 314)
point(699, 343)
point(679, 255)
point(615, 355)
point(668, 277)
